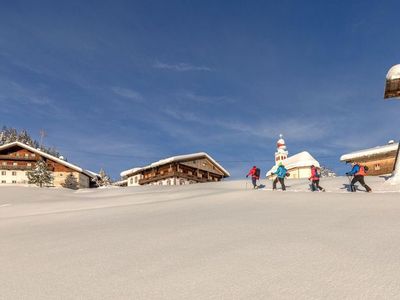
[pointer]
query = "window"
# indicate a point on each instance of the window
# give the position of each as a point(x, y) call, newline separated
point(14, 181)
point(160, 183)
point(61, 174)
point(377, 167)
point(15, 164)
point(3, 173)
point(182, 181)
point(4, 163)
point(29, 165)
point(168, 182)
point(17, 154)
point(26, 155)
point(14, 173)
point(131, 180)
point(33, 155)
point(3, 181)
point(136, 179)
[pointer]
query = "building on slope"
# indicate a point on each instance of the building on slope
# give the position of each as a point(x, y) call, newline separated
point(177, 170)
point(298, 165)
point(17, 158)
point(392, 87)
point(379, 160)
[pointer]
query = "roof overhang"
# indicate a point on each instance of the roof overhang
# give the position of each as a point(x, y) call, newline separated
point(371, 152)
point(51, 157)
point(173, 159)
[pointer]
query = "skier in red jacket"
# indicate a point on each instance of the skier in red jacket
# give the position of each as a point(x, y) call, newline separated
point(315, 180)
point(255, 175)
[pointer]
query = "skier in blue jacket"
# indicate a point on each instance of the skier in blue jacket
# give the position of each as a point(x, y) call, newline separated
point(280, 176)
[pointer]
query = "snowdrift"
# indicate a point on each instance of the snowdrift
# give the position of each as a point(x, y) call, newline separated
point(203, 241)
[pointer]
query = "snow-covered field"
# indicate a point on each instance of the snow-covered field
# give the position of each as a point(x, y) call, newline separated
point(204, 241)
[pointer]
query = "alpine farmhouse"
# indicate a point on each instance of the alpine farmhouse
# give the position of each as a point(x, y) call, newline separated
point(17, 158)
point(177, 170)
point(379, 160)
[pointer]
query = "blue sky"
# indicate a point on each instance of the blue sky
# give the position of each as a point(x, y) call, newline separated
point(118, 84)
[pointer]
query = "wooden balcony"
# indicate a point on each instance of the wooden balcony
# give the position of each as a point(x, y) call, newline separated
point(22, 168)
point(13, 157)
point(172, 175)
point(15, 168)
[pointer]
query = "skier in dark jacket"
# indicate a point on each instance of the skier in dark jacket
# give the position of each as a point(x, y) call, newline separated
point(358, 172)
point(280, 176)
point(255, 175)
point(315, 176)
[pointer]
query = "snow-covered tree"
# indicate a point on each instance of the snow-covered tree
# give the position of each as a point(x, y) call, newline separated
point(326, 172)
point(71, 182)
point(103, 179)
point(24, 137)
point(40, 175)
point(9, 135)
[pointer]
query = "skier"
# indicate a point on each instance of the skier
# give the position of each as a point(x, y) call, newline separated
point(358, 172)
point(255, 175)
point(315, 180)
point(280, 173)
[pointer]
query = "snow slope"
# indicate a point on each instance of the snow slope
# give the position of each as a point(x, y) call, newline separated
point(204, 241)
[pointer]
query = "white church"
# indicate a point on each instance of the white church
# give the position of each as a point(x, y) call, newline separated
point(298, 165)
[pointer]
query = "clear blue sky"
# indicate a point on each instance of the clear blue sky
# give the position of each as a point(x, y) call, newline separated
point(118, 84)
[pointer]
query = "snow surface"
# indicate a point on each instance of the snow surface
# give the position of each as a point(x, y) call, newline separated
point(394, 72)
point(202, 241)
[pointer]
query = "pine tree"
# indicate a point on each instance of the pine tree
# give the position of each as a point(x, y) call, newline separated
point(40, 175)
point(24, 137)
point(71, 182)
point(10, 135)
point(103, 179)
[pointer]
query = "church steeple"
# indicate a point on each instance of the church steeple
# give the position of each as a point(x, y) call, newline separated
point(281, 152)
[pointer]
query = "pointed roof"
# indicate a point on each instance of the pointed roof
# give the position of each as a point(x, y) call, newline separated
point(49, 156)
point(302, 159)
point(178, 158)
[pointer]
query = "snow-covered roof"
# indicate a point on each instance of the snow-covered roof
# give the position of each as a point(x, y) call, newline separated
point(120, 182)
point(51, 157)
point(394, 73)
point(130, 171)
point(175, 159)
point(370, 152)
point(302, 159)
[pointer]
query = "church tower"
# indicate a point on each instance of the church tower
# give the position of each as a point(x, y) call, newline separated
point(281, 152)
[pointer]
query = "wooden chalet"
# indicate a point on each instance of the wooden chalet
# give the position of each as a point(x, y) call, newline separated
point(392, 87)
point(17, 158)
point(177, 170)
point(379, 160)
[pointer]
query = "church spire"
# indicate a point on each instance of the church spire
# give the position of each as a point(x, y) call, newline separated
point(281, 152)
